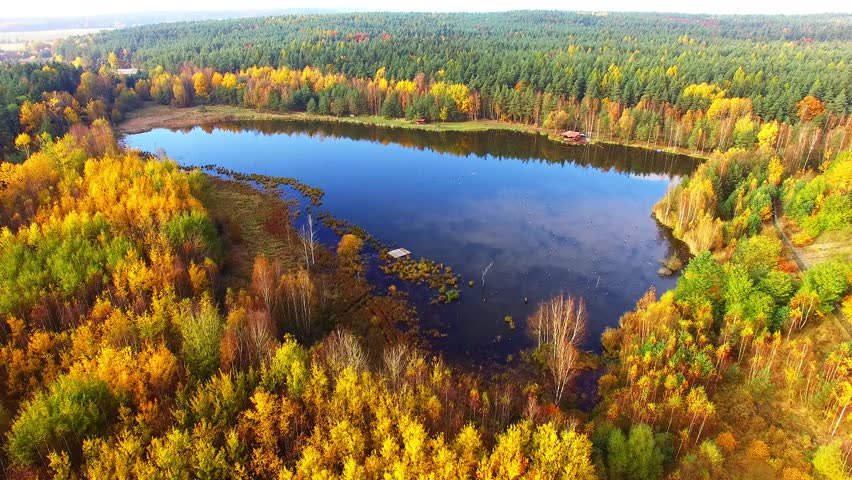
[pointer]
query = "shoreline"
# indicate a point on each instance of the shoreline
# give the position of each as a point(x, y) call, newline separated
point(154, 116)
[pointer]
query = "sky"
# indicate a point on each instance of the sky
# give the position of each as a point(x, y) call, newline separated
point(63, 8)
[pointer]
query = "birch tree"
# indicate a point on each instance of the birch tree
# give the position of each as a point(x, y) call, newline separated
point(559, 327)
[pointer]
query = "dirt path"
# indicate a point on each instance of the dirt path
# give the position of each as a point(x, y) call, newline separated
point(806, 257)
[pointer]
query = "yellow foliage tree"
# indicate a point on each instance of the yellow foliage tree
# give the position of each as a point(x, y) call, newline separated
point(349, 246)
point(229, 80)
point(23, 142)
point(768, 135)
point(200, 84)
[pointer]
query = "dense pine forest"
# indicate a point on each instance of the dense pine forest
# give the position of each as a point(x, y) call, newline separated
point(157, 322)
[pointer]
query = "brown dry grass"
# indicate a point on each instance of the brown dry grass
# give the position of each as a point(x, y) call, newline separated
point(162, 116)
point(243, 212)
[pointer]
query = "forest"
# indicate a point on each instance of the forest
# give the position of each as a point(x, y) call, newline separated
point(690, 82)
point(158, 322)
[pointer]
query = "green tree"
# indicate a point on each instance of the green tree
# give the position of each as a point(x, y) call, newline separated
point(618, 455)
point(201, 332)
point(777, 284)
point(745, 133)
point(289, 369)
point(60, 419)
point(829, 281)
point(828, 461)
point(646, 456)
point(702, 281)
point(391, 107)
point(639, 456)
point(758, 254)
point(839, 104)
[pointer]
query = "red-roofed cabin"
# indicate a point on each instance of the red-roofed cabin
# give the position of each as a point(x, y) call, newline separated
point(573, 137)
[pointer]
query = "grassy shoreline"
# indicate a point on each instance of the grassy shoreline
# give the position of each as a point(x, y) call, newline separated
point(162, 116)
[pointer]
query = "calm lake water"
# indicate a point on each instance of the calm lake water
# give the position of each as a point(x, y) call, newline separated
point(551, 218)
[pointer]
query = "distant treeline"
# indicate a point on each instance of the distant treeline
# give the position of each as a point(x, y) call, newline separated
point(626, 57)
point(698, 82)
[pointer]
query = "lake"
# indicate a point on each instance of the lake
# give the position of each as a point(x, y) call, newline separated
point(551, 218)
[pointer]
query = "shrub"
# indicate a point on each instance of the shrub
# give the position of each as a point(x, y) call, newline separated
point(349, 246)
point(802, 239)
point(194, 234)
point(452, 295)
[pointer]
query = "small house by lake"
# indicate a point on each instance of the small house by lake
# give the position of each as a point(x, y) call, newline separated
point(570, 136)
